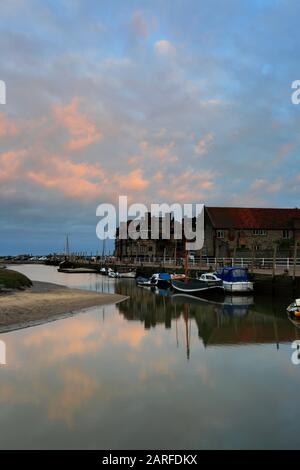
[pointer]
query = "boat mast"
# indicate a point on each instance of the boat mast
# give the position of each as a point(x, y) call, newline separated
point(186, 316)
point(186, 264)
point(67, 251)
point(103, 249)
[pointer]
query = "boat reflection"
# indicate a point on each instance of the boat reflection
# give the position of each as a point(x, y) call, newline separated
point(295, 321)
point(229, 321)
point(234, 306)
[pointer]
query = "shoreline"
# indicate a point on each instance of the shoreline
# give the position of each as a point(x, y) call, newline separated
point(45, 302)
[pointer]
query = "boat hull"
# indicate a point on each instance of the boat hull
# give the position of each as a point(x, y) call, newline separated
point(77, 271)
point(238, 287)
point(196, 286)
point(130, 275)
point(294, 309)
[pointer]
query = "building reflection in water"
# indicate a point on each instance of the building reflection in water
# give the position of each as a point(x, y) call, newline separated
point(230, 321)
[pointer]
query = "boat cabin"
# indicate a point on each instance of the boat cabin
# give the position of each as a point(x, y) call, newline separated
point(233, 274)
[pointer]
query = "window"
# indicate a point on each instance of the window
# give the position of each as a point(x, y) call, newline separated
point(259, 232)
point(286, 234)
point(238, 273)
point(220, 234)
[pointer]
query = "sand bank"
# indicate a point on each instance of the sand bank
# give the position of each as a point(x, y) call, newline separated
point(47, 302)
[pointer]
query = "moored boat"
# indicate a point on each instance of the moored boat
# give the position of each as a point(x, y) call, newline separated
point(294, 309)
point(77, 270)
point(197, 286)
point(235, 279)
point(162, 280)
point(113, 274)
point(177, 277)
point(128, 275)
point(144, 282)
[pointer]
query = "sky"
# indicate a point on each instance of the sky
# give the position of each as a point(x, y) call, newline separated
point(163, 101)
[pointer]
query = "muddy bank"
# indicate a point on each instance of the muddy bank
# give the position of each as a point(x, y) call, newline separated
point(47, 302)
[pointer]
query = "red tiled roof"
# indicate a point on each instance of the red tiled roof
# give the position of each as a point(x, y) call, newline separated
point(253, 218)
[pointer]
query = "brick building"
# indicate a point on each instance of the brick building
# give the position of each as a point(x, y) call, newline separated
point(233, 230)
point(229, 232)
point(147, 248)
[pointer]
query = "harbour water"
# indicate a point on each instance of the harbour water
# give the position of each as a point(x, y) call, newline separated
point(153, 372)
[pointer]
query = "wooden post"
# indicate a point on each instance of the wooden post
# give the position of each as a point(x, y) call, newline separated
point(217, 255)
point(252, 258)
point(274, 259)
point(295, 259)
point(175, 252)
point(234, 256)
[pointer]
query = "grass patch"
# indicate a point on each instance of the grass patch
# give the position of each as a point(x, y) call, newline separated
point(13, 280)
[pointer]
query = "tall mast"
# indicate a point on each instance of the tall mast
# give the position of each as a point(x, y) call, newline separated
point(187, 330)
point(186, 264)
point(67, 246)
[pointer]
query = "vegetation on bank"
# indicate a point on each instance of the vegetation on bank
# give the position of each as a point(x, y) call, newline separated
point(13, 280)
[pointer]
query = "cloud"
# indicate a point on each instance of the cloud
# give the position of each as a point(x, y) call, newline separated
point(190, 186)
point(139, 24)
point(133, 181)
point(127, 108)
point(284, 151)
point(164, 153)
point(264, 185)
point(204, 144)
point(75, 180)
point(7, 127)
point(10, 163)
point(82, 131)
point(164, 47)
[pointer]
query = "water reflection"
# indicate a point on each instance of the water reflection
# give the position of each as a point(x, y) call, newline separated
point(234, 321)
point(118, 376)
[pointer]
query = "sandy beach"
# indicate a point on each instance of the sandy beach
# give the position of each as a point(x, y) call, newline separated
point(47, 302)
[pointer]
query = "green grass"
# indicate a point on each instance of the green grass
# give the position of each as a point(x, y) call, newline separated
point(13, 280)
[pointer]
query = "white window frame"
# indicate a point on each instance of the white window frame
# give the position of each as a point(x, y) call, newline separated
point(259, 233)
point(220, 233)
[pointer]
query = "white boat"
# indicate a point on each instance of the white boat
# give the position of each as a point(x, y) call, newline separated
point(294, 308)
point(235, 280)
point(162, 280)
point(128, 275)
point(113, 274)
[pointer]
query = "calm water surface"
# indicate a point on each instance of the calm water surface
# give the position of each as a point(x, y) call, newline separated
point(153, 372)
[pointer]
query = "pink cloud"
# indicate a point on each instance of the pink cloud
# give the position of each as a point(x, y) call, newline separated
point(139, 24)
point(164, 48)
point(75, 180)
point(203, 144)
point(10, 163)
point(190, 187)
point(82, 180)
point(82, 131)
point(7, 128)
point(284, 151)
point(164, 153)
point(133, 160)
point(133, 181)
point(264, 185)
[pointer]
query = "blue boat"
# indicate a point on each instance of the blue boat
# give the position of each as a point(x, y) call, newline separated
point(235, 279)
